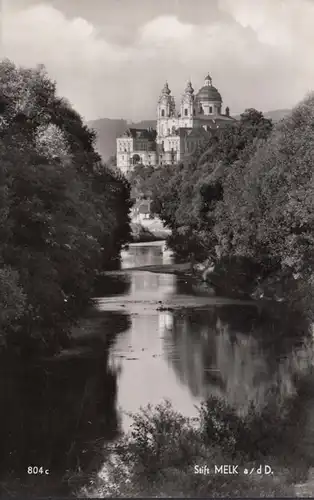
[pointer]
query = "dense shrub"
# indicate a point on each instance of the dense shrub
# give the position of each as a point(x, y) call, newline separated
point(159, 455)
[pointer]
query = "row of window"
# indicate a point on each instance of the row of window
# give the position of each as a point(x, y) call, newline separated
point(149, 157)
point(186, 112)
point(201, 111)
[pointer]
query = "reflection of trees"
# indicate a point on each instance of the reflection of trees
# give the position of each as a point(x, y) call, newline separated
point(112, 284)
point(56, 415)
point(233, 353)
point(142, 256)
point(164, 284)
point(193, 346)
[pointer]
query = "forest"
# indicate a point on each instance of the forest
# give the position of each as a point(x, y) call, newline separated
point(64, 215)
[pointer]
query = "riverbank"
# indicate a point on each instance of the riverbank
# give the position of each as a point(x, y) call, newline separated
point(182, 269)
point(239, 279)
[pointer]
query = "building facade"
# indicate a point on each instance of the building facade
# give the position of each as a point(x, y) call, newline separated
point(178, 133)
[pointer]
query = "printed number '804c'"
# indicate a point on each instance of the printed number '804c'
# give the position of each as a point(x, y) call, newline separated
point(37, 470)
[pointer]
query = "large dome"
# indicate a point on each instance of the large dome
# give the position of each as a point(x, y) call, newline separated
point(208, 93)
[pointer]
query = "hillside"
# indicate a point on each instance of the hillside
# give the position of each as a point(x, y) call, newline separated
point(277, 114)
point(274, 115)
point(109, 129)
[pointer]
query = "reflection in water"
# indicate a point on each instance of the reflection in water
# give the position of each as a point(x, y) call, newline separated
point(145, 255)
point(165, 322)
point(213, 358)
point(156, 286)
point(109, 285)
point(58, 414)
point(235, 352)
point(55, 415)
point(145, 376)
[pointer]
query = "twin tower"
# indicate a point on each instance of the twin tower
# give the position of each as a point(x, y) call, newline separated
point(196, 110)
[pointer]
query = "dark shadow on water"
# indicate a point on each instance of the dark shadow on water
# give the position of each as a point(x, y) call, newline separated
point(110, 285)
point(245, 355)
point(57, 415)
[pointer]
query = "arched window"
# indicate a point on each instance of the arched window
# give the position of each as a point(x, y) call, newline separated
point(136, 159)
point(162, 112)
point(185, 112)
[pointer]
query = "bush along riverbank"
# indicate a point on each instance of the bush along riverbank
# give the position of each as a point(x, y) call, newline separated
point(167, 455)
point(244, 204)
point(64, 215)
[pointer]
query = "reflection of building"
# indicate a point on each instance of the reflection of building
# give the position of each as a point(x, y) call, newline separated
point(178, 134)
point(165, 320)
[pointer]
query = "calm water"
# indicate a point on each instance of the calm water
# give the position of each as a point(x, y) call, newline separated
point(56, 415)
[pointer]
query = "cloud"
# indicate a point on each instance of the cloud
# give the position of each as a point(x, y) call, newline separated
point(280, 23)
point(42, 32)
point(258, 55)
point(165, 29)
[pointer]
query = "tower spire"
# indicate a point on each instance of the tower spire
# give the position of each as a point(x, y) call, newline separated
point(208, 80)
point(166, 90)
point(189, 89)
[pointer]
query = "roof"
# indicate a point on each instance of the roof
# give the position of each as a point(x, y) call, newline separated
point(140, 133)
point(208, 93)
point(166, 89)
point(217, 119)
point(212, 123)
point(197, 133)
point(142, 207)
point(189, 89)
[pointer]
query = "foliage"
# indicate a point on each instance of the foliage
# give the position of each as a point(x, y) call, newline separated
point(248, 195)
point(12, 298)
point(157, 458)
point(253, 437)
point(64, 215)
point(186, 195)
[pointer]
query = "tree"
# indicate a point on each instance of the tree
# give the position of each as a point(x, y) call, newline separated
point(65, 214)
point(267, 210)
point(187, 195)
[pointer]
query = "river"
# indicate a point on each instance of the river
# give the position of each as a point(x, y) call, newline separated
point(170, 339)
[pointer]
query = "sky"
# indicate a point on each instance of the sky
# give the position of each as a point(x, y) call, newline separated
point(110, 58)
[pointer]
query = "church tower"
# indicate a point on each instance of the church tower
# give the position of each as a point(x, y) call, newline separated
point(208, 100)
point(187, 107)
point(166, 113)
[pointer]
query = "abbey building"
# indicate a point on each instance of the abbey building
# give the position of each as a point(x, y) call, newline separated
point(179, 132)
